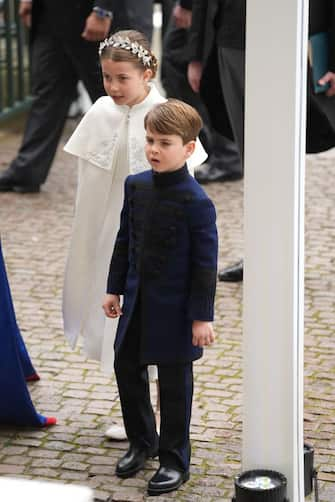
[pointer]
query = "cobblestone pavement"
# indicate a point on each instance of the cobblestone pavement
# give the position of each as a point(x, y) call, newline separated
point(35, 231)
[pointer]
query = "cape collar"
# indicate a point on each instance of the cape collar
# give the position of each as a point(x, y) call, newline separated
point(170, 178)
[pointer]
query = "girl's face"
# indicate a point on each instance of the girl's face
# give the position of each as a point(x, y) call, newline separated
point(124, 82)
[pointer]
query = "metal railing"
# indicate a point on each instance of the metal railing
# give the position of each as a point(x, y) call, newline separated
point(14, 61)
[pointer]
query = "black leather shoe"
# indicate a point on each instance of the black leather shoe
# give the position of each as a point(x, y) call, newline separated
point(166, 480)
point(233, 273)
point(209, 174)
point(133, 461)
point(8, 183)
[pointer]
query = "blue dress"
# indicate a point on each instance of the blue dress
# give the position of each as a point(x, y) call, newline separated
point(16, 407)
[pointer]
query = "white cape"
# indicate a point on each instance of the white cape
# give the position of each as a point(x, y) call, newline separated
point(97, 215)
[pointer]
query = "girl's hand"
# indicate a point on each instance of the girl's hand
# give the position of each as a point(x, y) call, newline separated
point(329, 77)
point(203, 333)
point(111, 306)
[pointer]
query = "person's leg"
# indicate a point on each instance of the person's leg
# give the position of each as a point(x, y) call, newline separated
point(223, 157)
point(224, 162)
point(176, 393)
point(53, 87)
point(138, 416)
point(232, 76)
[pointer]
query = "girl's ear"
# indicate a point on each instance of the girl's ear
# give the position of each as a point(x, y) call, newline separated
point(147, 75)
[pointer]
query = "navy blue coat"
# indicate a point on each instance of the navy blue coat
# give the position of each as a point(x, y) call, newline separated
point(166, 252)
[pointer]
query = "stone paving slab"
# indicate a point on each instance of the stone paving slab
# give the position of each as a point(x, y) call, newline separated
point(35, 231)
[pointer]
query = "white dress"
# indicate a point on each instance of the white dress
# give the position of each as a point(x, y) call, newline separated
point(109, 145)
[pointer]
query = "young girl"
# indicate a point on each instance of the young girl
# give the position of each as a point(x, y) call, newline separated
point(109, 144)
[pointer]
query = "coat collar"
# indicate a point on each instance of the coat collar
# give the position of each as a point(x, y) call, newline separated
point(170, 178)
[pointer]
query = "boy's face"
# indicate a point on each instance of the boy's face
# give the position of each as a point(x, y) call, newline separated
point(124, 82)
point(166, 152)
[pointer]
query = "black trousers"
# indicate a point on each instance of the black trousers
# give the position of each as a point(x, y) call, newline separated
point(223, 153)
point(57, 66)
point(232, 76)
point(176, 392)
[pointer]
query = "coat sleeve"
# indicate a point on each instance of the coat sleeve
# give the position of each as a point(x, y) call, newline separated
point(186, 4)
point(196, 39)
point(204, 255)
point(118, 268)
point(105, 4)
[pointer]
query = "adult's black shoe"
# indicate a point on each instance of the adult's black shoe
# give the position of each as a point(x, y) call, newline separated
point(210, 174)
point(9, 183)
point(133, 461)
point(233, 273)
point(166, 480)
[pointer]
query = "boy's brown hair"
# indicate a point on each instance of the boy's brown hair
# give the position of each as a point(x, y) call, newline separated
point(174, 117)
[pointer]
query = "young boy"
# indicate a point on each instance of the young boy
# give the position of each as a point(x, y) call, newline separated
point(164, 264)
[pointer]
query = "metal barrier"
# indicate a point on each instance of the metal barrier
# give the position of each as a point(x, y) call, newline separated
point(14, 61)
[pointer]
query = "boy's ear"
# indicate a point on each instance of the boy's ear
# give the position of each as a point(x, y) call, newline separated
point(189, 148)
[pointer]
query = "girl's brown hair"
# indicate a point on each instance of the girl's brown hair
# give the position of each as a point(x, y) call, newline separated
point(119, 54)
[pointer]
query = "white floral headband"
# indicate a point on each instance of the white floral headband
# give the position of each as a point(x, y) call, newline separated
point(125, 43)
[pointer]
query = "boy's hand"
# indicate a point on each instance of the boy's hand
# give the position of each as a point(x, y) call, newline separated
point(111, 306)
point(203, 333)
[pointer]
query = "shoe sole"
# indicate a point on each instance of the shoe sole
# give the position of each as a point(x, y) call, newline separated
point(153, 492)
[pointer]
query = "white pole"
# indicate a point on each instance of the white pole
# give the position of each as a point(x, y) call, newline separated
point(276, 60)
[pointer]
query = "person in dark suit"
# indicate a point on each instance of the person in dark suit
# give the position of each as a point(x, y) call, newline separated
point(224, 161)
point(217, 70)
point(64, 38)
point(320, 134)
point(225, 20)
point(164, 263)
